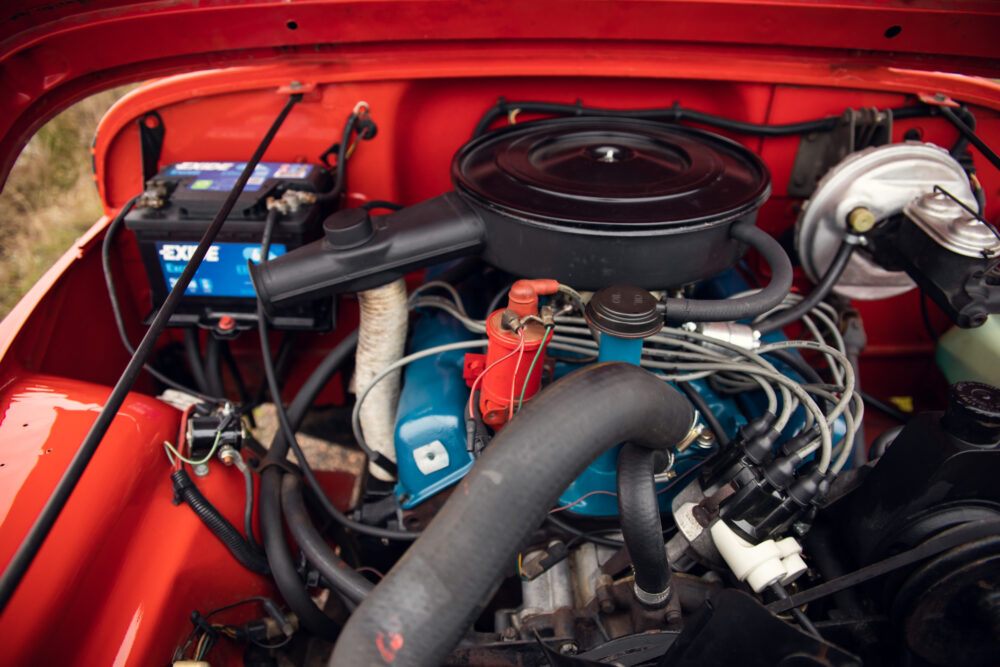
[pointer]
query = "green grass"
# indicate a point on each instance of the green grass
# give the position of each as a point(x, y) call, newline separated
point(50, 197)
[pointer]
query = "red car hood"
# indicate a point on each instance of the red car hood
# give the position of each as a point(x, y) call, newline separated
point(55, 53)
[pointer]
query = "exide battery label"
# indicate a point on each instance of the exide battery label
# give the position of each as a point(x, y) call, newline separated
point(223, 272)
point(222, 176)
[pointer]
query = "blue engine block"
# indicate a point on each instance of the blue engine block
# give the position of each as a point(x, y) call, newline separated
point(430, 423)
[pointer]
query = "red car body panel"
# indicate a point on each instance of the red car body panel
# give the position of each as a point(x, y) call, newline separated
point(123, 567)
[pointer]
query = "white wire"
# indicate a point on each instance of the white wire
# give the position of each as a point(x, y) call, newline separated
point(845, 365)
point(439, 284)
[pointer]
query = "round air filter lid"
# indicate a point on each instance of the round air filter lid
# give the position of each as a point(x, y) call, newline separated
point(611, 174)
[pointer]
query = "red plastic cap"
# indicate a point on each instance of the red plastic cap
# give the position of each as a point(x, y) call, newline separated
point(523, 295)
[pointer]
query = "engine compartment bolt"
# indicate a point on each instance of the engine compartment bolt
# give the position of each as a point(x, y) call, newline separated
point(569, 648)
point(200, 470)
point(861, 219)
point(227, 455)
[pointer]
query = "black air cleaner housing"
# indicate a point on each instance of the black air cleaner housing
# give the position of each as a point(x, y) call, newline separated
point(597, 201)
point(587, 201)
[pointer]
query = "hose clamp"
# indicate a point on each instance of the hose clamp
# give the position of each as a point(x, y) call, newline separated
point(693, 432)
point(653, 600)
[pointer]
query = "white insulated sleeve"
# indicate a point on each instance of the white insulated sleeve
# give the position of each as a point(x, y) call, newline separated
point(381, 341)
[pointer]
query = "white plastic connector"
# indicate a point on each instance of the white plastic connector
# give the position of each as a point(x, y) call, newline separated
point(762, 564)
point(791, 558)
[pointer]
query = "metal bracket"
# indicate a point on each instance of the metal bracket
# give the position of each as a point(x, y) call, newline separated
point(819, 151)
point(151, 133)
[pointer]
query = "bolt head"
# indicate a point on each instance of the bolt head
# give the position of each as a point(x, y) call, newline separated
point(569, 648)
point(200, 470)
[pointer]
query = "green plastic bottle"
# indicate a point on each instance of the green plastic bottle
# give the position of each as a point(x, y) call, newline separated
point(971, 354)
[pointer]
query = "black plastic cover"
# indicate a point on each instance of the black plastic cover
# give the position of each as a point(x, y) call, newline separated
point(624, 311)
point(973, 412)
point(611, 174)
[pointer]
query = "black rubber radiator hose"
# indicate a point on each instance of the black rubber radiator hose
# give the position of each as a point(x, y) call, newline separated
point(641, 528)
point(417, 614)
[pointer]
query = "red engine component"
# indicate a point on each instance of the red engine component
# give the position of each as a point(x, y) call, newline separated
point(503, 372)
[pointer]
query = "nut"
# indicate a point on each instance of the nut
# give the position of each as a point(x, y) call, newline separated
point(227, 455)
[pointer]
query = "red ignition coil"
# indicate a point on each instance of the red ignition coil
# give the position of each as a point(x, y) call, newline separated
point(500, 383)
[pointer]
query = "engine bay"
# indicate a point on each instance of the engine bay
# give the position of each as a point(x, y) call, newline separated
point(527, 371)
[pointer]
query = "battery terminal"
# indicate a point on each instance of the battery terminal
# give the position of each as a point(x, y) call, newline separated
point(155, 196)
point(291, 201)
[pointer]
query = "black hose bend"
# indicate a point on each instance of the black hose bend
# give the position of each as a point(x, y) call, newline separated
point(273, 533)
point(286, 577)
point(677, 311)
point(818, 293)
point(639, 512)
point(439, 587)
point(248, 557)
point(339, 574)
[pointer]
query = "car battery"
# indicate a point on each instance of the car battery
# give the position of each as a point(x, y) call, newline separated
point(180, 202)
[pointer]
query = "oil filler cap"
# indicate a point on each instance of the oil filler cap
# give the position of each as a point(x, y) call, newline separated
point(973, 412)
point(624, 311)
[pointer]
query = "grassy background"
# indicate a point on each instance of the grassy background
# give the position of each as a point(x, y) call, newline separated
point(50, 197)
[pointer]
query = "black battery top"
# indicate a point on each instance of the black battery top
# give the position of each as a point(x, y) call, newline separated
point(178, 205)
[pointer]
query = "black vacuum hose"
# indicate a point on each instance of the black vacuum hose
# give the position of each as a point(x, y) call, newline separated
point(248, 557)
point(677, 311)
point(639, 512)
point(192, 347)
point(278, 554)
point(339, 574)
point(286, 577)
point(417, 614)
point(213, 366)
point(699, 402)
point(826, 283)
